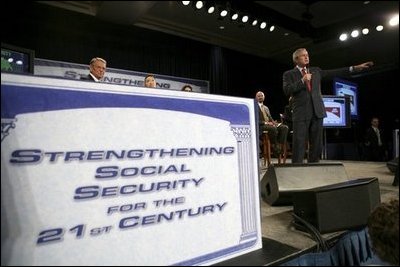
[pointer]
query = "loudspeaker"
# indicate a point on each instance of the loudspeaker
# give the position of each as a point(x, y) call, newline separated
point(393, 164)
point(339, 206)
point(281, 181)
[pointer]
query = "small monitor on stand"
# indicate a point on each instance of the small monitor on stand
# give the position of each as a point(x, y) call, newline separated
point(346, 88)
point(337, 116)
point(338, 111)
point(16, 59)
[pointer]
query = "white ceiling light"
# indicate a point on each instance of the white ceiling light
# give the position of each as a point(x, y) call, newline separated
point(355, 33)
point(223, 13)
point(343, 37)
point(394, 20)
point(272, 28)
point(199, 4)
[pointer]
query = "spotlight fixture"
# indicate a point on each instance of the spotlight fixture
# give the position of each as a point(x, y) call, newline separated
point(234, 16)
point(355, 33)
point(209, 6)
point(272, 28)
point(185, 3)
point(343, 37)
point(394, 20)
point(263, 25)
point(245, 18)
point(254, 23)
point(365, 31)
point(379, 28)
point(223, 13)
point(199, 4)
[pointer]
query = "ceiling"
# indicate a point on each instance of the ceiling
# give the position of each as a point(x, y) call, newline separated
point(315, 25)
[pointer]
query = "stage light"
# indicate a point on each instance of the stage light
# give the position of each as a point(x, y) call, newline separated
point(254, 23)
point(355, 33)
point(209, 6)
point(263, 25)
point(272, 28)
point(379, 28)
point(245, 18)
point(185, 3)
point(343, 37)
point(394, 20)
point(199, 4)
point(223, 13)
point(234, 16)
point(365, 31)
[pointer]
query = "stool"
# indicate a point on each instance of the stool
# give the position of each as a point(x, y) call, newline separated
point(266, 148)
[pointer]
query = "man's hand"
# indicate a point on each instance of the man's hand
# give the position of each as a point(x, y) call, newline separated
point(363, 66)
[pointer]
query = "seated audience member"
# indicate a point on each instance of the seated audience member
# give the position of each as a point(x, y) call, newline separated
point(150, 81)
point(277, 132)
point(383, 230)
point(97, 68)
point(187, 88)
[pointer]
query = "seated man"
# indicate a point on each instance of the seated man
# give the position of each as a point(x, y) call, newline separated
point(277, 132)
point(97, 68)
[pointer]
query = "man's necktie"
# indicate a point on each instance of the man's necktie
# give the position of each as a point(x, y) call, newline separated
point(264, 113)
point(308, 83)
point(379, 136)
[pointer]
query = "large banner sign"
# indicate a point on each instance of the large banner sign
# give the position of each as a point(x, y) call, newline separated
point(51, 68)
point(102, 174)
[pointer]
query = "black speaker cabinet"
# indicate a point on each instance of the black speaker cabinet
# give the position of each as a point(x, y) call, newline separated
point(281, 181)
point(339, 206)
point(393, 164)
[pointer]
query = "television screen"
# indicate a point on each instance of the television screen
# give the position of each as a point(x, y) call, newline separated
point(346, 88)
point(337, 110)
point(16, 59)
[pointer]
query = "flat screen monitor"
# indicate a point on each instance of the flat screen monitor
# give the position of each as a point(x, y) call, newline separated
point(16, 59)
point(346, 88)
point(337, 110)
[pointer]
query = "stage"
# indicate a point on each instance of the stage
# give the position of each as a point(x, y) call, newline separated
point(282, 242)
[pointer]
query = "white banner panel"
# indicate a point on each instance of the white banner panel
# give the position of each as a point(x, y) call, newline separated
point(51, 68)
point(100, 174)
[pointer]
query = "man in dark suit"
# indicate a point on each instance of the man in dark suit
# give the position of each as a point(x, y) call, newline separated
point(97, 68)
point(374, 142)
point(304, 85)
